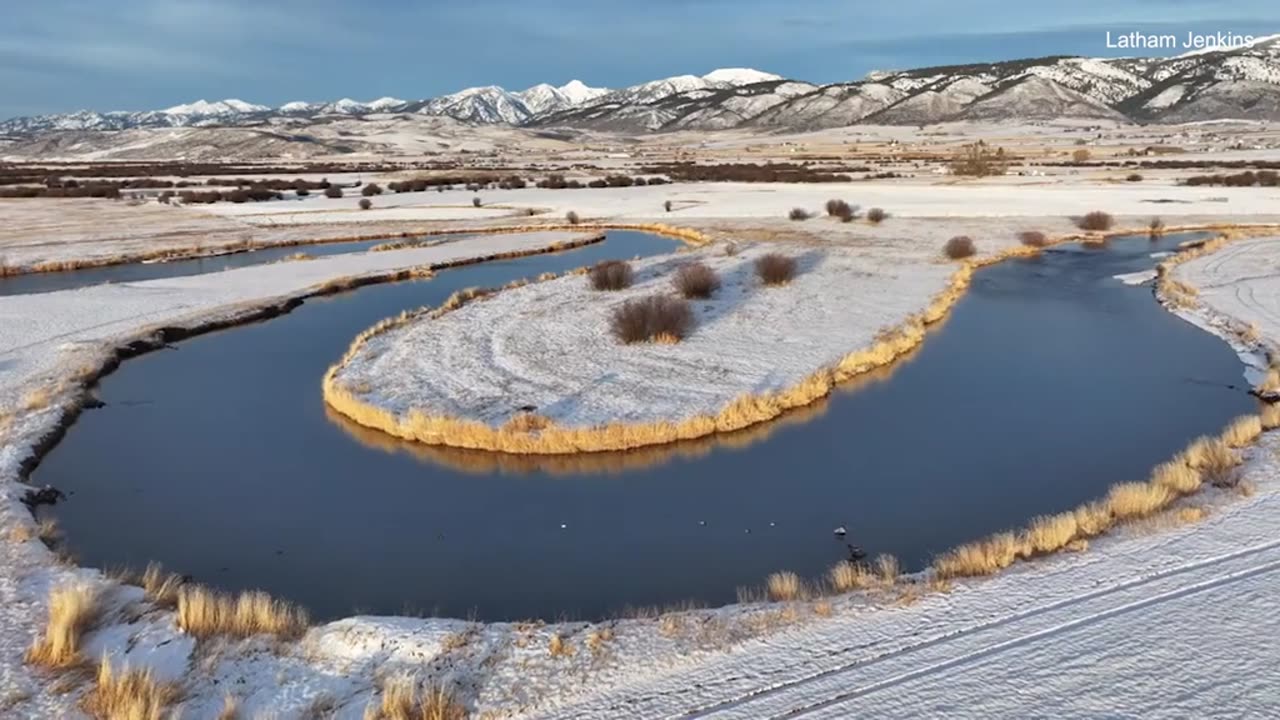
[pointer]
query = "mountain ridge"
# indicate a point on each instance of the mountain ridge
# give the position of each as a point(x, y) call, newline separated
point(1209, 84)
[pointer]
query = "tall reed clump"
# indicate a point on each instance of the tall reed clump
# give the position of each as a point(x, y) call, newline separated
point(847, 576)
point(784, 586)
point(775, 269)
point(204, 613)
point(403, 699)
point(657, 318)
point(611, 275)
point(73, 610)
point(696, 280)
point(128, 695)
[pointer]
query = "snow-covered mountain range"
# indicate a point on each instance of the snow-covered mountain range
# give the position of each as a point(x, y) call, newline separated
point(1234, 83)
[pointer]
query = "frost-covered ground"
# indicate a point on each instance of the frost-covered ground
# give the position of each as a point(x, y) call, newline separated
point(1171, 622)
point(549, 344)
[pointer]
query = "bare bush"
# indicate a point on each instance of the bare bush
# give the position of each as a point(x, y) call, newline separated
point(572, 218)
point(371, 189)
point(1096, 220)
point(365, 203)
point(960, 246)
point(1081, 155)
point(799, 214)
point(775, 269)
point(876, 215)
point(610, 275)
point(696, 280)
point(667, 206)
point(840, 209)
point(1133, 177)
point(476, 202)
point(1033, 238)
point(333, 191)
point(1155, 227)
point(657, 318)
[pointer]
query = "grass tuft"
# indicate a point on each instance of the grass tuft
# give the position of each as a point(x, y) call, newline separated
point(1050, 533)
point(984, 557)
point(846, 576)
point(1242, 431)
point(129, 695)
point(784, 586)
point(403, 699)
point(204, 613)
point(1177, 477)
point(73, 609)
point(1131, 500)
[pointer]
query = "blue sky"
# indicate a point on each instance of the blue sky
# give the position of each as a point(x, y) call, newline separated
point(61, 55)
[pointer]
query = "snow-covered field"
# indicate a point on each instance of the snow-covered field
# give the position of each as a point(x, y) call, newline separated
point(1161, 622)
point(921, 197)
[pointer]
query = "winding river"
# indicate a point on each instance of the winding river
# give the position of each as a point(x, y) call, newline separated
point(1049, 382)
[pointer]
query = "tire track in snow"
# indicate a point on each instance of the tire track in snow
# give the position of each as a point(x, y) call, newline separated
point(763, 702)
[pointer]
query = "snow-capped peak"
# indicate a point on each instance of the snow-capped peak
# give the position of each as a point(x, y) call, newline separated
point(297, 106)
point(223, 107)
point(739, 76)
point(384, 103)
point(578, 92)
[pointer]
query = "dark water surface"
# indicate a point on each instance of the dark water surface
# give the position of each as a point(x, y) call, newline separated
point(134, 272)
point(1049, 382)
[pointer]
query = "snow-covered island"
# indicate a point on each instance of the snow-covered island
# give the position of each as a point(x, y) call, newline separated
point(537, 368)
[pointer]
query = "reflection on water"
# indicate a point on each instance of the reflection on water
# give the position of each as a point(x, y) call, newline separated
point(478, 462)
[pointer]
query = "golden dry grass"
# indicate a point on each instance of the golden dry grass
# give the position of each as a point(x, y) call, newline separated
point(73, 610)
point(823, 608)
point(983, 557)
point(1270, 382)
point(784, 586)
point(1178, 477)
point(37, 399)
point(205, 613)
point(230, 708)
point(403, 699)
point(527, 422)
point(161, 587)
point(846, 576)
point(1243, 431)
point(1093, 519)
point(887, 568)
point(1270, 417)
point(1051, 533)
point(598, 638)
point(1132, 500)
point(1214, 458)
point(558, 646)
point(128, 695)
